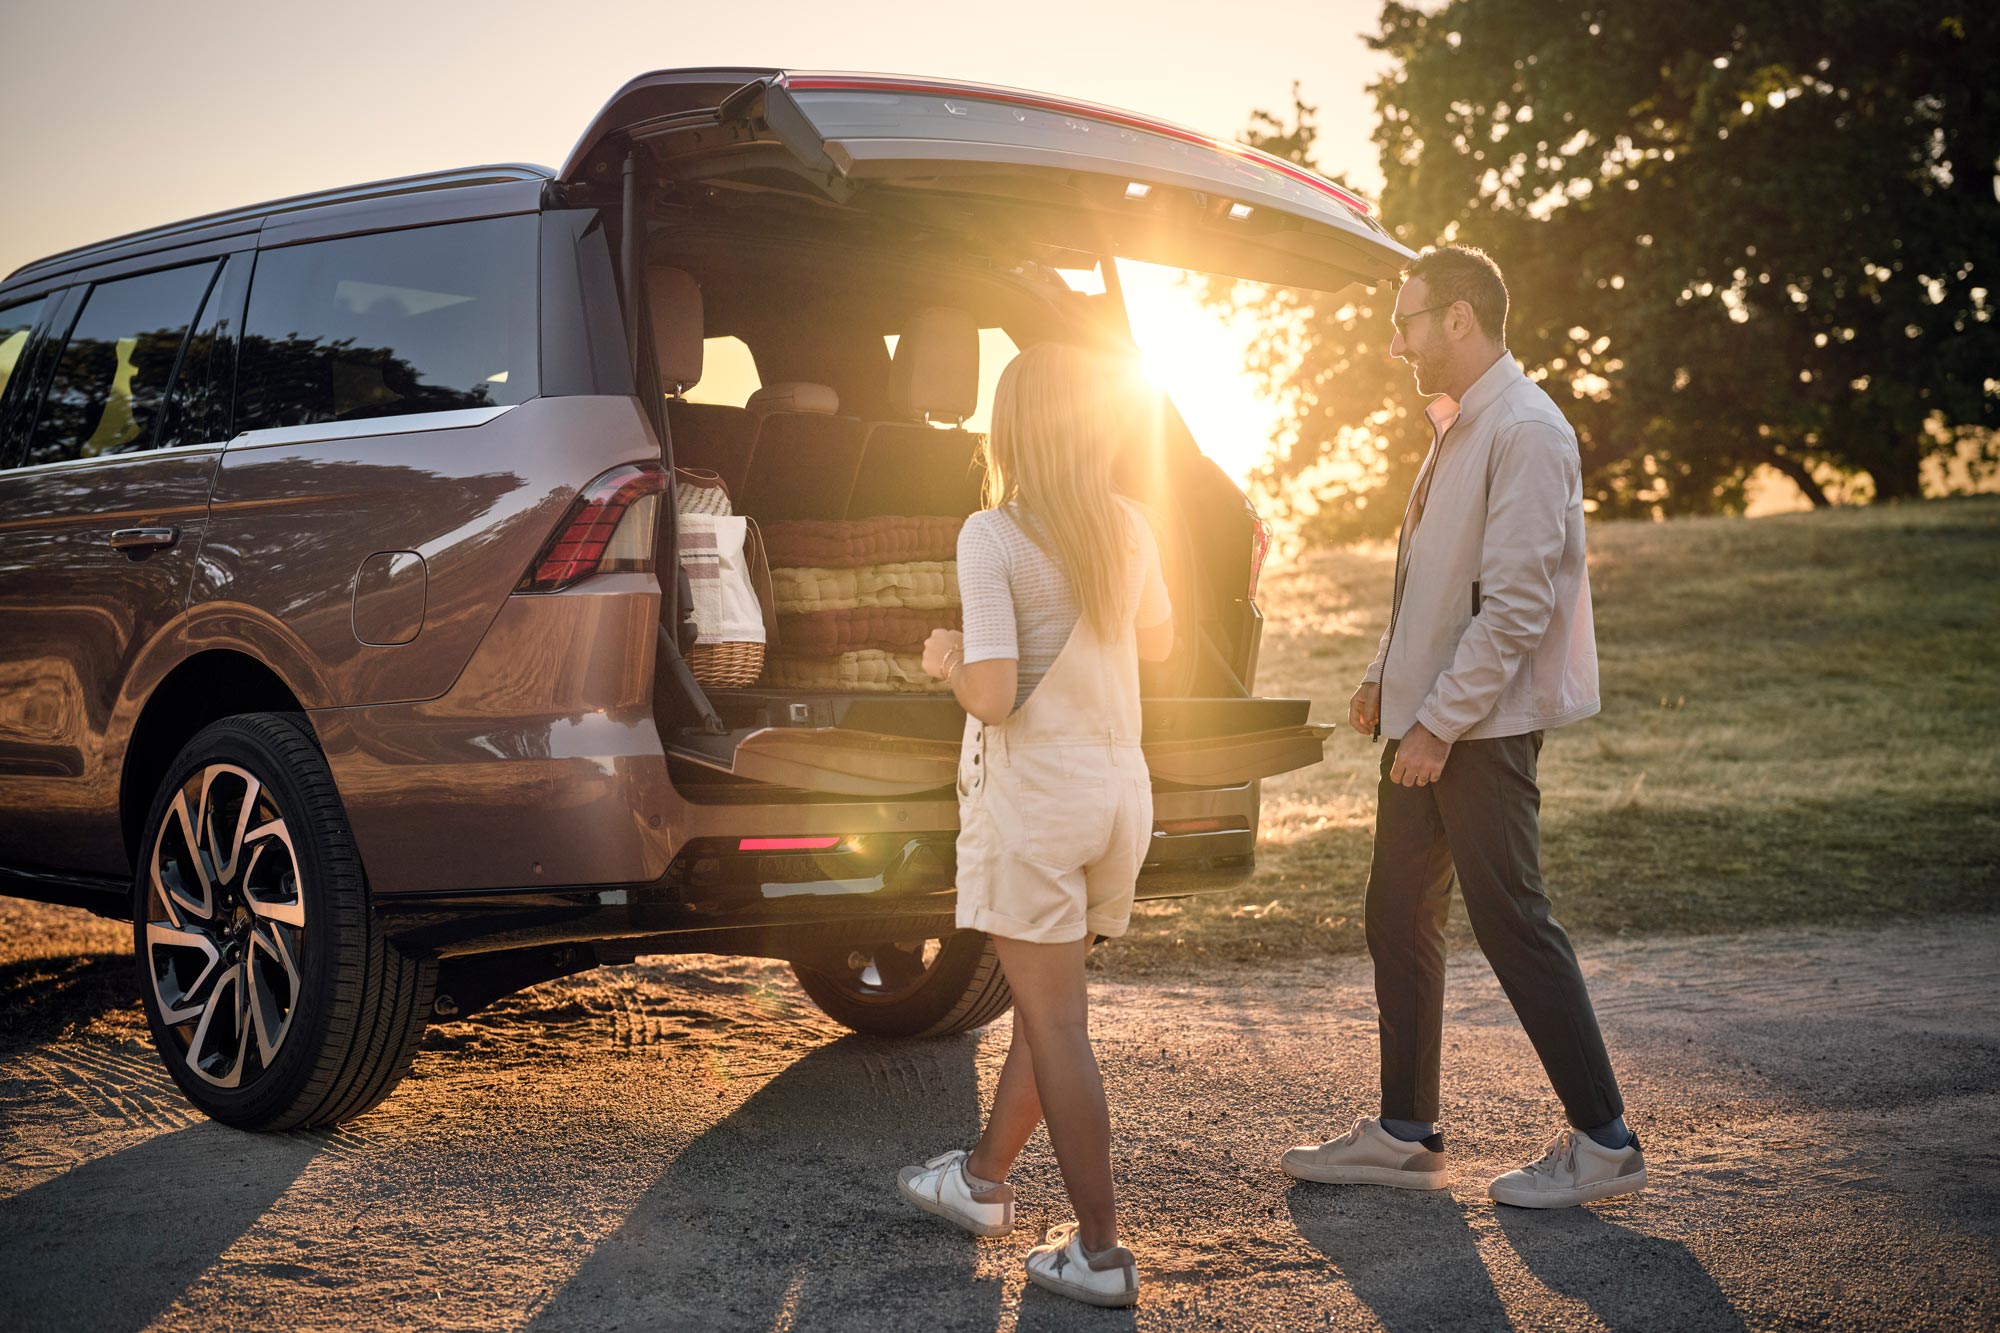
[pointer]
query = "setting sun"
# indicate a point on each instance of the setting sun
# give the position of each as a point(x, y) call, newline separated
point(1196, 354)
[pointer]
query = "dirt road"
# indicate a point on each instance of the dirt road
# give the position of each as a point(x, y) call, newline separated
point(689, 1145)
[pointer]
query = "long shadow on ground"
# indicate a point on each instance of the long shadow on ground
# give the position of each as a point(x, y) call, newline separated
point(1409, 1257)
point(177, 1201)
point(1629, 1280)
point(785, 1213)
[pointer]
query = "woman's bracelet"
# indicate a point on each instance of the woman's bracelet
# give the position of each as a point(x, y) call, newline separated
point(950, 665)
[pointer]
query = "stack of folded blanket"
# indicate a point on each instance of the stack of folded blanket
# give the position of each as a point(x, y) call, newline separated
point(857, 598)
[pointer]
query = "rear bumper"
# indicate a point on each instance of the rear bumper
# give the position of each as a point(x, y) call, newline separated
point(714, 898)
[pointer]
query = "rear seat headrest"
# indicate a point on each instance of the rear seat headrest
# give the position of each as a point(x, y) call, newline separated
point(674, 298)
point(795, 396)
point(935, 373)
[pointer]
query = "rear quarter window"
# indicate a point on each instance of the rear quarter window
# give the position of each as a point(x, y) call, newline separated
point(728, 373)
point(430, 319)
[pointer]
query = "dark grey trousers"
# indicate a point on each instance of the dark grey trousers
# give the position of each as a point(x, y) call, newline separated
point(1482, 819)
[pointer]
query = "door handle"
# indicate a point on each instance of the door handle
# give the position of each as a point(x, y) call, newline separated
point(138, 541)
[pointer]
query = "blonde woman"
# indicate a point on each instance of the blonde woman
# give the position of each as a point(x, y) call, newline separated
point(1060, 580)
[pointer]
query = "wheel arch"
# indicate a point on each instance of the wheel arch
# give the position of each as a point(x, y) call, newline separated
point(203, 688)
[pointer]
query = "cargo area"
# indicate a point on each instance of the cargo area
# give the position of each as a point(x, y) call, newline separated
point(829, 388)
point(824, 277)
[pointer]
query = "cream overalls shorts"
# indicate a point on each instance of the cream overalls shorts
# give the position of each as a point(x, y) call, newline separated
point(1055, 806)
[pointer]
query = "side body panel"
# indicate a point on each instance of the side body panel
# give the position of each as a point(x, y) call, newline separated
point(89, 631)
point(512, 731)
point(298, 512)
point(541, 765)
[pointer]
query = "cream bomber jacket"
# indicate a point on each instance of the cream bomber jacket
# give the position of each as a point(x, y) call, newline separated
point(1492, 634)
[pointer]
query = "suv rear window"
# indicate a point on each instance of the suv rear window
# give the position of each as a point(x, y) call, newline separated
point(111, 379)
point(432, 319)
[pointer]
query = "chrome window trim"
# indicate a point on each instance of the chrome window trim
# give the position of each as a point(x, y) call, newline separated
point(108, 460)
point(405, 423)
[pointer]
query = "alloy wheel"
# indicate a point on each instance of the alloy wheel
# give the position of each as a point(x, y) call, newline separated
point(225, 925)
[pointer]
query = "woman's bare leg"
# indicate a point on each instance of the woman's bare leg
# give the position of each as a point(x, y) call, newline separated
point(1016, 1113)
point(1052, 1009)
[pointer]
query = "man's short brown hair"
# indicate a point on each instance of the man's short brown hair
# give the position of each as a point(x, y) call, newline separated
point(1453, 273)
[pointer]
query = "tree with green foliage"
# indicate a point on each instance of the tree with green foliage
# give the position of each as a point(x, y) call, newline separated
point(1735, 234)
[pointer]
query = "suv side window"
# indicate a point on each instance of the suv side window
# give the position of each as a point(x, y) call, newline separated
point(111, 377)
point(198, 407)
point(16, 323)
point(430, 319)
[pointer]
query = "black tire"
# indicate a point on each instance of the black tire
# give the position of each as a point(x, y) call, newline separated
point(912, 988)
point(312, 1017)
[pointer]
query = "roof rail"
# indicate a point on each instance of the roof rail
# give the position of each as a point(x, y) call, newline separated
point(430, 180)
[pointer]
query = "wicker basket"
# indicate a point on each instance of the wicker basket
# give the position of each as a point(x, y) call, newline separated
point(727, 665)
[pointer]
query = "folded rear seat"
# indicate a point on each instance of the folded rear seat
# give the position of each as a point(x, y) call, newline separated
point(804, 462)
point(909, 466)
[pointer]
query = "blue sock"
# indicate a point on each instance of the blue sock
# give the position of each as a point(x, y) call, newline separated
point(1614, 1135)
point(1409, 1131)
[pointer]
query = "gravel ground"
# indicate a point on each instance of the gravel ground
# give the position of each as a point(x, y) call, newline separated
point(688, 1144)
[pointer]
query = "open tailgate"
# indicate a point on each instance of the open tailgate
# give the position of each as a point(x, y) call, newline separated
point(1063, 178)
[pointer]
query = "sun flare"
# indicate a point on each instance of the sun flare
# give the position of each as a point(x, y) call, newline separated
point(1196, 354)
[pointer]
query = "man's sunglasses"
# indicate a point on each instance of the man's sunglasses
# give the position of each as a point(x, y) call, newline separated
point(1403, 324)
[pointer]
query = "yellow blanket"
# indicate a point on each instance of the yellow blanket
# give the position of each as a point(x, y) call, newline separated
point(867, 669)
point(921, 585)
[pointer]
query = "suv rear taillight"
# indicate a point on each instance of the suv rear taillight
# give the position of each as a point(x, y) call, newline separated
point(1260, 546)
point(609, 528)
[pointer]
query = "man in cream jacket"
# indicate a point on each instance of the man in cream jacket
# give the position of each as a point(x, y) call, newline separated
point(1489, 645)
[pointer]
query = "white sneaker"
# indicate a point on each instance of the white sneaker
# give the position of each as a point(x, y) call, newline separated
point(1573, 1169)
point(1369, 1155)
point(940, 1188)
point(1058, 1264)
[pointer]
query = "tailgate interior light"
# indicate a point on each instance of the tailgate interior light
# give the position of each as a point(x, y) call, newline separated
point(1240, 212)
point(1138, 190)
point(787, 844)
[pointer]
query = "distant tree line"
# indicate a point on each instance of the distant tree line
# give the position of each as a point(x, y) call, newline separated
point(1741, 233)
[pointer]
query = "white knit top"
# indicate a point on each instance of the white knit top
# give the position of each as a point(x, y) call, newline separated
point(1018, 603)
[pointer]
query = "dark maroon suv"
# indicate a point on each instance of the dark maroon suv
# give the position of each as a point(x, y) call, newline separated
point(337, 649)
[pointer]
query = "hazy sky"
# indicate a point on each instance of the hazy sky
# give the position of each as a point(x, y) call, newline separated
point(121, 115)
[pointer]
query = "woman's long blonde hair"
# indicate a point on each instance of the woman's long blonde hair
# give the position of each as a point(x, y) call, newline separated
point(1058, 416)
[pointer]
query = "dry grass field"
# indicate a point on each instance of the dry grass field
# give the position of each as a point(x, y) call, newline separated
point(1801, 719)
